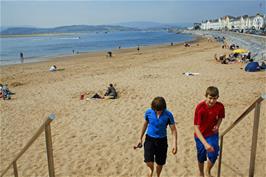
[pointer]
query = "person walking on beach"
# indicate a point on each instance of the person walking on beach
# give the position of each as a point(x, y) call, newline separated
point(207, 120)
point(156, 120)
point(21, 57)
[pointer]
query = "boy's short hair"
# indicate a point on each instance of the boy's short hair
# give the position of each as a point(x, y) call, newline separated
point(212, 91)
point(158, 104)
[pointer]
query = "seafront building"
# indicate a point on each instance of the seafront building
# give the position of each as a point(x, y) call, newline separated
point(234, 23)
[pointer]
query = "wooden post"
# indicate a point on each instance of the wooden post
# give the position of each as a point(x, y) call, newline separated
point(51, 117)
point(49, 148)
point(254, 140)
point(15, 169)
point(220, 156)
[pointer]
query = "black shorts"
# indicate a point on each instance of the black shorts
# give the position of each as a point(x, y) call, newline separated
point(155, 148)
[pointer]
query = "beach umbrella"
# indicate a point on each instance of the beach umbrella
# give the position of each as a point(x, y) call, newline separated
point(240, 51)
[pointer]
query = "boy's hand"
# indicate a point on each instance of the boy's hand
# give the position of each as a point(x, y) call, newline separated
point(174, 150)
point(209, 148)
point(215, 128)
point(139, 145)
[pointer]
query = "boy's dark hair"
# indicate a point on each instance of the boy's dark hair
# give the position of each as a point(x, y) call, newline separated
point(158, 104)
point(212, 91)
point(111, 85)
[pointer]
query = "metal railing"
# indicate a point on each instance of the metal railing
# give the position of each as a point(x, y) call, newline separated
point(255, 105)
point(44, 127)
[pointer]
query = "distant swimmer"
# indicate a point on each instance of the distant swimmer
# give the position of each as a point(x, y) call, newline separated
point(21, 57)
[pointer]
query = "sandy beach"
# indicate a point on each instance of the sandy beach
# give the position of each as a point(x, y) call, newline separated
point(95, 138)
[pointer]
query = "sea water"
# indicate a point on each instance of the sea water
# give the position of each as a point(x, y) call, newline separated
point(37, 48)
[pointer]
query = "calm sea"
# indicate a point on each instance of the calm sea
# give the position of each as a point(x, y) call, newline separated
point(42, 47)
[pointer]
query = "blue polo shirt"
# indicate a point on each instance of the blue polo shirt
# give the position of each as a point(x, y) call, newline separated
point(157, 126)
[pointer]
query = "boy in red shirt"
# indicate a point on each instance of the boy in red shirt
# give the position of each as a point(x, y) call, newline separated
point(207, 119)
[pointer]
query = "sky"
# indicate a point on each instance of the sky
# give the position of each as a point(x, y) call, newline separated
point(51, 13)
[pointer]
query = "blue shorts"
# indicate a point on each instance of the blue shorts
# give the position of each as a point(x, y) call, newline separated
point(202, 154)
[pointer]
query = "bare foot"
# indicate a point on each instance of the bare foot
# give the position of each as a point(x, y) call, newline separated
point(208, 175)
point(149, 175)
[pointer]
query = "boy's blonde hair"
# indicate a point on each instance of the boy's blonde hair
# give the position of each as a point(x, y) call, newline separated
point(212, 91)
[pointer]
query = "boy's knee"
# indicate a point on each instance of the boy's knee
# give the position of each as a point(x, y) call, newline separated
point(212, 156)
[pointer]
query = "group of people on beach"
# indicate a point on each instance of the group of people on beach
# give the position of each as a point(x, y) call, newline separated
point(208, 116)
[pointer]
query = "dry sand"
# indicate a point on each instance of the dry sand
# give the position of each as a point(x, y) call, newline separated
point(96, 137)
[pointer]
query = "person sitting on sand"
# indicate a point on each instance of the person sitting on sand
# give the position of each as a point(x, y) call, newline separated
point(109, 94)
point(53, 68)
point(187, 45)
point(222, 59)
point(5, 92)
point(109, 54)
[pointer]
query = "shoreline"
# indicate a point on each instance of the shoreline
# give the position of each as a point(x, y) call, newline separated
point(100, 52)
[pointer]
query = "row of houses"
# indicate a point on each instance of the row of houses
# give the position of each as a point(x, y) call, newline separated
point(230, 23)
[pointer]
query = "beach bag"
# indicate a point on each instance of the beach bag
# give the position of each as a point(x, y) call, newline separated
point(252, 67)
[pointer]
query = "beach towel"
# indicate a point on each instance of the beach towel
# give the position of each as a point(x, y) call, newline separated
point(190, 74)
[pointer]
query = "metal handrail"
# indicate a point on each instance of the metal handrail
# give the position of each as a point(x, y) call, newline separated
point(256, 105)
point(44, 127)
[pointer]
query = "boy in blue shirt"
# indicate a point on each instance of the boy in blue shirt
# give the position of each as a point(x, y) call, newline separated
point(156, 120)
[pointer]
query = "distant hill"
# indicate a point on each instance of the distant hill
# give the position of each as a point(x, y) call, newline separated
point(154, 25)
point(65, 29)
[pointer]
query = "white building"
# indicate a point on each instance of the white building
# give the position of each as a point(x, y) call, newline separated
point(230, 23)
point(257, 21)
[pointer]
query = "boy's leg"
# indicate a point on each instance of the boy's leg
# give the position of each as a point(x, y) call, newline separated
point(159, 170)
point(149, 152)
point(208, 168)
point(160, 155)
point(201, 169)
point(151, 168)
point(201, 156)
point(212, 156)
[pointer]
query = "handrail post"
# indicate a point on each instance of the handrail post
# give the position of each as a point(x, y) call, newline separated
point(254, 140)
point(15, 169)
point(49, 147)
point(45, 126)
point(220, 156)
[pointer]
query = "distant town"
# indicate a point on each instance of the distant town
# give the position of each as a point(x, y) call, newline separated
point(243, 24)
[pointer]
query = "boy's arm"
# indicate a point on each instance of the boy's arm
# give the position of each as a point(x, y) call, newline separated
point(174, 134)
point(216, 127)
point(208, 147)
point(144, 127)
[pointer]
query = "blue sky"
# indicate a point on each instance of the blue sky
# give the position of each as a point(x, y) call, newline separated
point(69, 12)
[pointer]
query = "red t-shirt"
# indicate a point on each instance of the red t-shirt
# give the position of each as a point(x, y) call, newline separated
point(207, 117)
